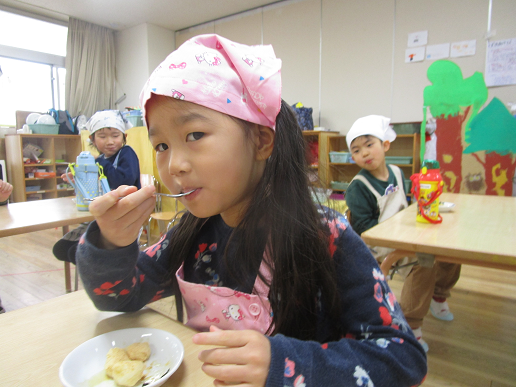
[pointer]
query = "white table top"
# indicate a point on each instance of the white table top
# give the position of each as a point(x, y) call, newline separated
point(23, 217)
point(481, 230)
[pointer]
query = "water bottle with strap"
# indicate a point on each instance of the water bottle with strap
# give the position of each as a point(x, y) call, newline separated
point(89, 179)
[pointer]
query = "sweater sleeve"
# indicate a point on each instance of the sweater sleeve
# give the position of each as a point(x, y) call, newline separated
point(377, 347)
point(124, 279)
point(363, 207)
point(127, 171)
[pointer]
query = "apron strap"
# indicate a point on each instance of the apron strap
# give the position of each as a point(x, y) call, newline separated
point(260, 287)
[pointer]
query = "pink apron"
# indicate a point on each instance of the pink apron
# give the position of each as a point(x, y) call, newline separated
point(226, 308)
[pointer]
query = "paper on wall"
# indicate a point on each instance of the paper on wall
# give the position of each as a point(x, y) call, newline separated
point(417, 39)
point(501, 63)
point(415, 54)
point(464, 48)
point(438, 51)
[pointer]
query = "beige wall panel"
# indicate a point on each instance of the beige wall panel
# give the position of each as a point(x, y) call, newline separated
point(183, 36)
point(294, 32)
point(160, 43)
point(446, 22)
point(357, 38)
point(132, 63)
point(503, 21)
point(246, 29)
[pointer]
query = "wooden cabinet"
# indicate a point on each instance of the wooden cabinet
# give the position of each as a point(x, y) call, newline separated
point(40, 179)
point(317, 149)
point(405, 147)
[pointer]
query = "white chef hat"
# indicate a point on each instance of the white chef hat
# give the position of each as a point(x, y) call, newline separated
point(372, 125)
point(108, 119)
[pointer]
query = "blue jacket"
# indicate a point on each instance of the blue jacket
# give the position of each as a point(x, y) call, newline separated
point(377, 347)
point(122, 171)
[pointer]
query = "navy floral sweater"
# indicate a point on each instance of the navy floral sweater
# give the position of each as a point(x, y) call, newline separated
point(377, 347)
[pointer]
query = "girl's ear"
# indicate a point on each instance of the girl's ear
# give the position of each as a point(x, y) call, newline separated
point(264, 141)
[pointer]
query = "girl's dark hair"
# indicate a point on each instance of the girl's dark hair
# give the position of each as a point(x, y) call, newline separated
point(296, 240)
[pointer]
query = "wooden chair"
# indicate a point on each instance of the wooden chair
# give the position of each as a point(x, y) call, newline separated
point(389, 265)
point(21, 118)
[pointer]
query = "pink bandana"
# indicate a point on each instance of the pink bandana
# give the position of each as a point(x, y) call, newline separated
point(232, 78)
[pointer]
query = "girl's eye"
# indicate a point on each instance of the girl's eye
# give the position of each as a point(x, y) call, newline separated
point(161, 147)
point(194, 136)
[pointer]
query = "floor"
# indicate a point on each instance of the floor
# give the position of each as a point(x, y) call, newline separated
point(477, 349)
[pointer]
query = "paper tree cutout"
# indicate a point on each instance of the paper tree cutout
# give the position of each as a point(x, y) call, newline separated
point(493, 130)
point(450, 94)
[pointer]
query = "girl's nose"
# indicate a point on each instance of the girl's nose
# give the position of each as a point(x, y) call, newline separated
point(178, 164)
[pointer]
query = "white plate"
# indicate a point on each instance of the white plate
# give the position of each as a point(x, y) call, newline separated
point(84, 366)
point(446, 206)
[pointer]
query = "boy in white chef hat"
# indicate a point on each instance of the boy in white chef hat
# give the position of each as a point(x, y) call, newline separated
point(375, 194)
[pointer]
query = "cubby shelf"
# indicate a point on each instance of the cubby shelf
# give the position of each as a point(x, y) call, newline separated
point(319, 139)
point(55, 147)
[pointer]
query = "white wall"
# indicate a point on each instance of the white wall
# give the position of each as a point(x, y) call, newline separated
point(345, 59)
point(160, 42)
point(139, 50)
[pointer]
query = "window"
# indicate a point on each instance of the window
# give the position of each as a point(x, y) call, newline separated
point(32, 73)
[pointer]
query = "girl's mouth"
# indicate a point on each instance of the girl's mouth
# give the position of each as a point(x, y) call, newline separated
point(190, 194)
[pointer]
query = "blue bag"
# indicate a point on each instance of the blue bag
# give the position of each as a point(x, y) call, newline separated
point(303, 116)
point(65, 122)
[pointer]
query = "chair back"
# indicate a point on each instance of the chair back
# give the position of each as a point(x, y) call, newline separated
point(147, 179)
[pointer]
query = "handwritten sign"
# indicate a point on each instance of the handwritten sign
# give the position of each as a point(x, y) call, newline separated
point(501, 63)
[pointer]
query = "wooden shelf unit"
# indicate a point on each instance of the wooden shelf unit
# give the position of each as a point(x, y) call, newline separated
point(320, 138)
point(405, 145)
point(55, 147)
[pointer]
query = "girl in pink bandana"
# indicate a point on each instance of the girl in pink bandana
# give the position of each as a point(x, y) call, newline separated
point(282, 286)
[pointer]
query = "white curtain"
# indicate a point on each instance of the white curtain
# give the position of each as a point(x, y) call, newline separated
point(90, 68)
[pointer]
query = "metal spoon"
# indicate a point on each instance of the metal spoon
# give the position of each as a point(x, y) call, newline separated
point(154, 194)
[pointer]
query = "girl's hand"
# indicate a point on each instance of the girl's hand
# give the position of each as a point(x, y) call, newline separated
point(243, 358)
point(120, 220)
point(5, 190)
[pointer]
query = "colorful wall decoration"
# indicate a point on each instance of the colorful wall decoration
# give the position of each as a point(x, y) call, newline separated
point(476, 149)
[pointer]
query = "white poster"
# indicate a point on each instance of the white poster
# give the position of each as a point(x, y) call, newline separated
point(438, 51)
point(501, 63)
point(465, 48)
point(416, 54)
point(417, 39)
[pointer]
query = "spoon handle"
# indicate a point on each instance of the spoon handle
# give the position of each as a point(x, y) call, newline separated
point(154, 194)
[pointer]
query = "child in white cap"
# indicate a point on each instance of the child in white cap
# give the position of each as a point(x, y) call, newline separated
point(269, 278)
point(119, 162)
point(375, 194)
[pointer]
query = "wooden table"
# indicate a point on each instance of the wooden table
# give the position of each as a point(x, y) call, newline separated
point(24, 217)
point(36, 339)
point(480, 230)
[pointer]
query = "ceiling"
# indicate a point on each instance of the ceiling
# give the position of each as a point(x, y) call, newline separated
point(121, 14)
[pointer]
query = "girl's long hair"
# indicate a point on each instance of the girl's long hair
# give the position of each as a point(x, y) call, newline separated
point(296, 240)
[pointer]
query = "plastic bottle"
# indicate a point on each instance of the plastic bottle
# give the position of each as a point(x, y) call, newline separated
point(86, 176)
point(427, 186)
